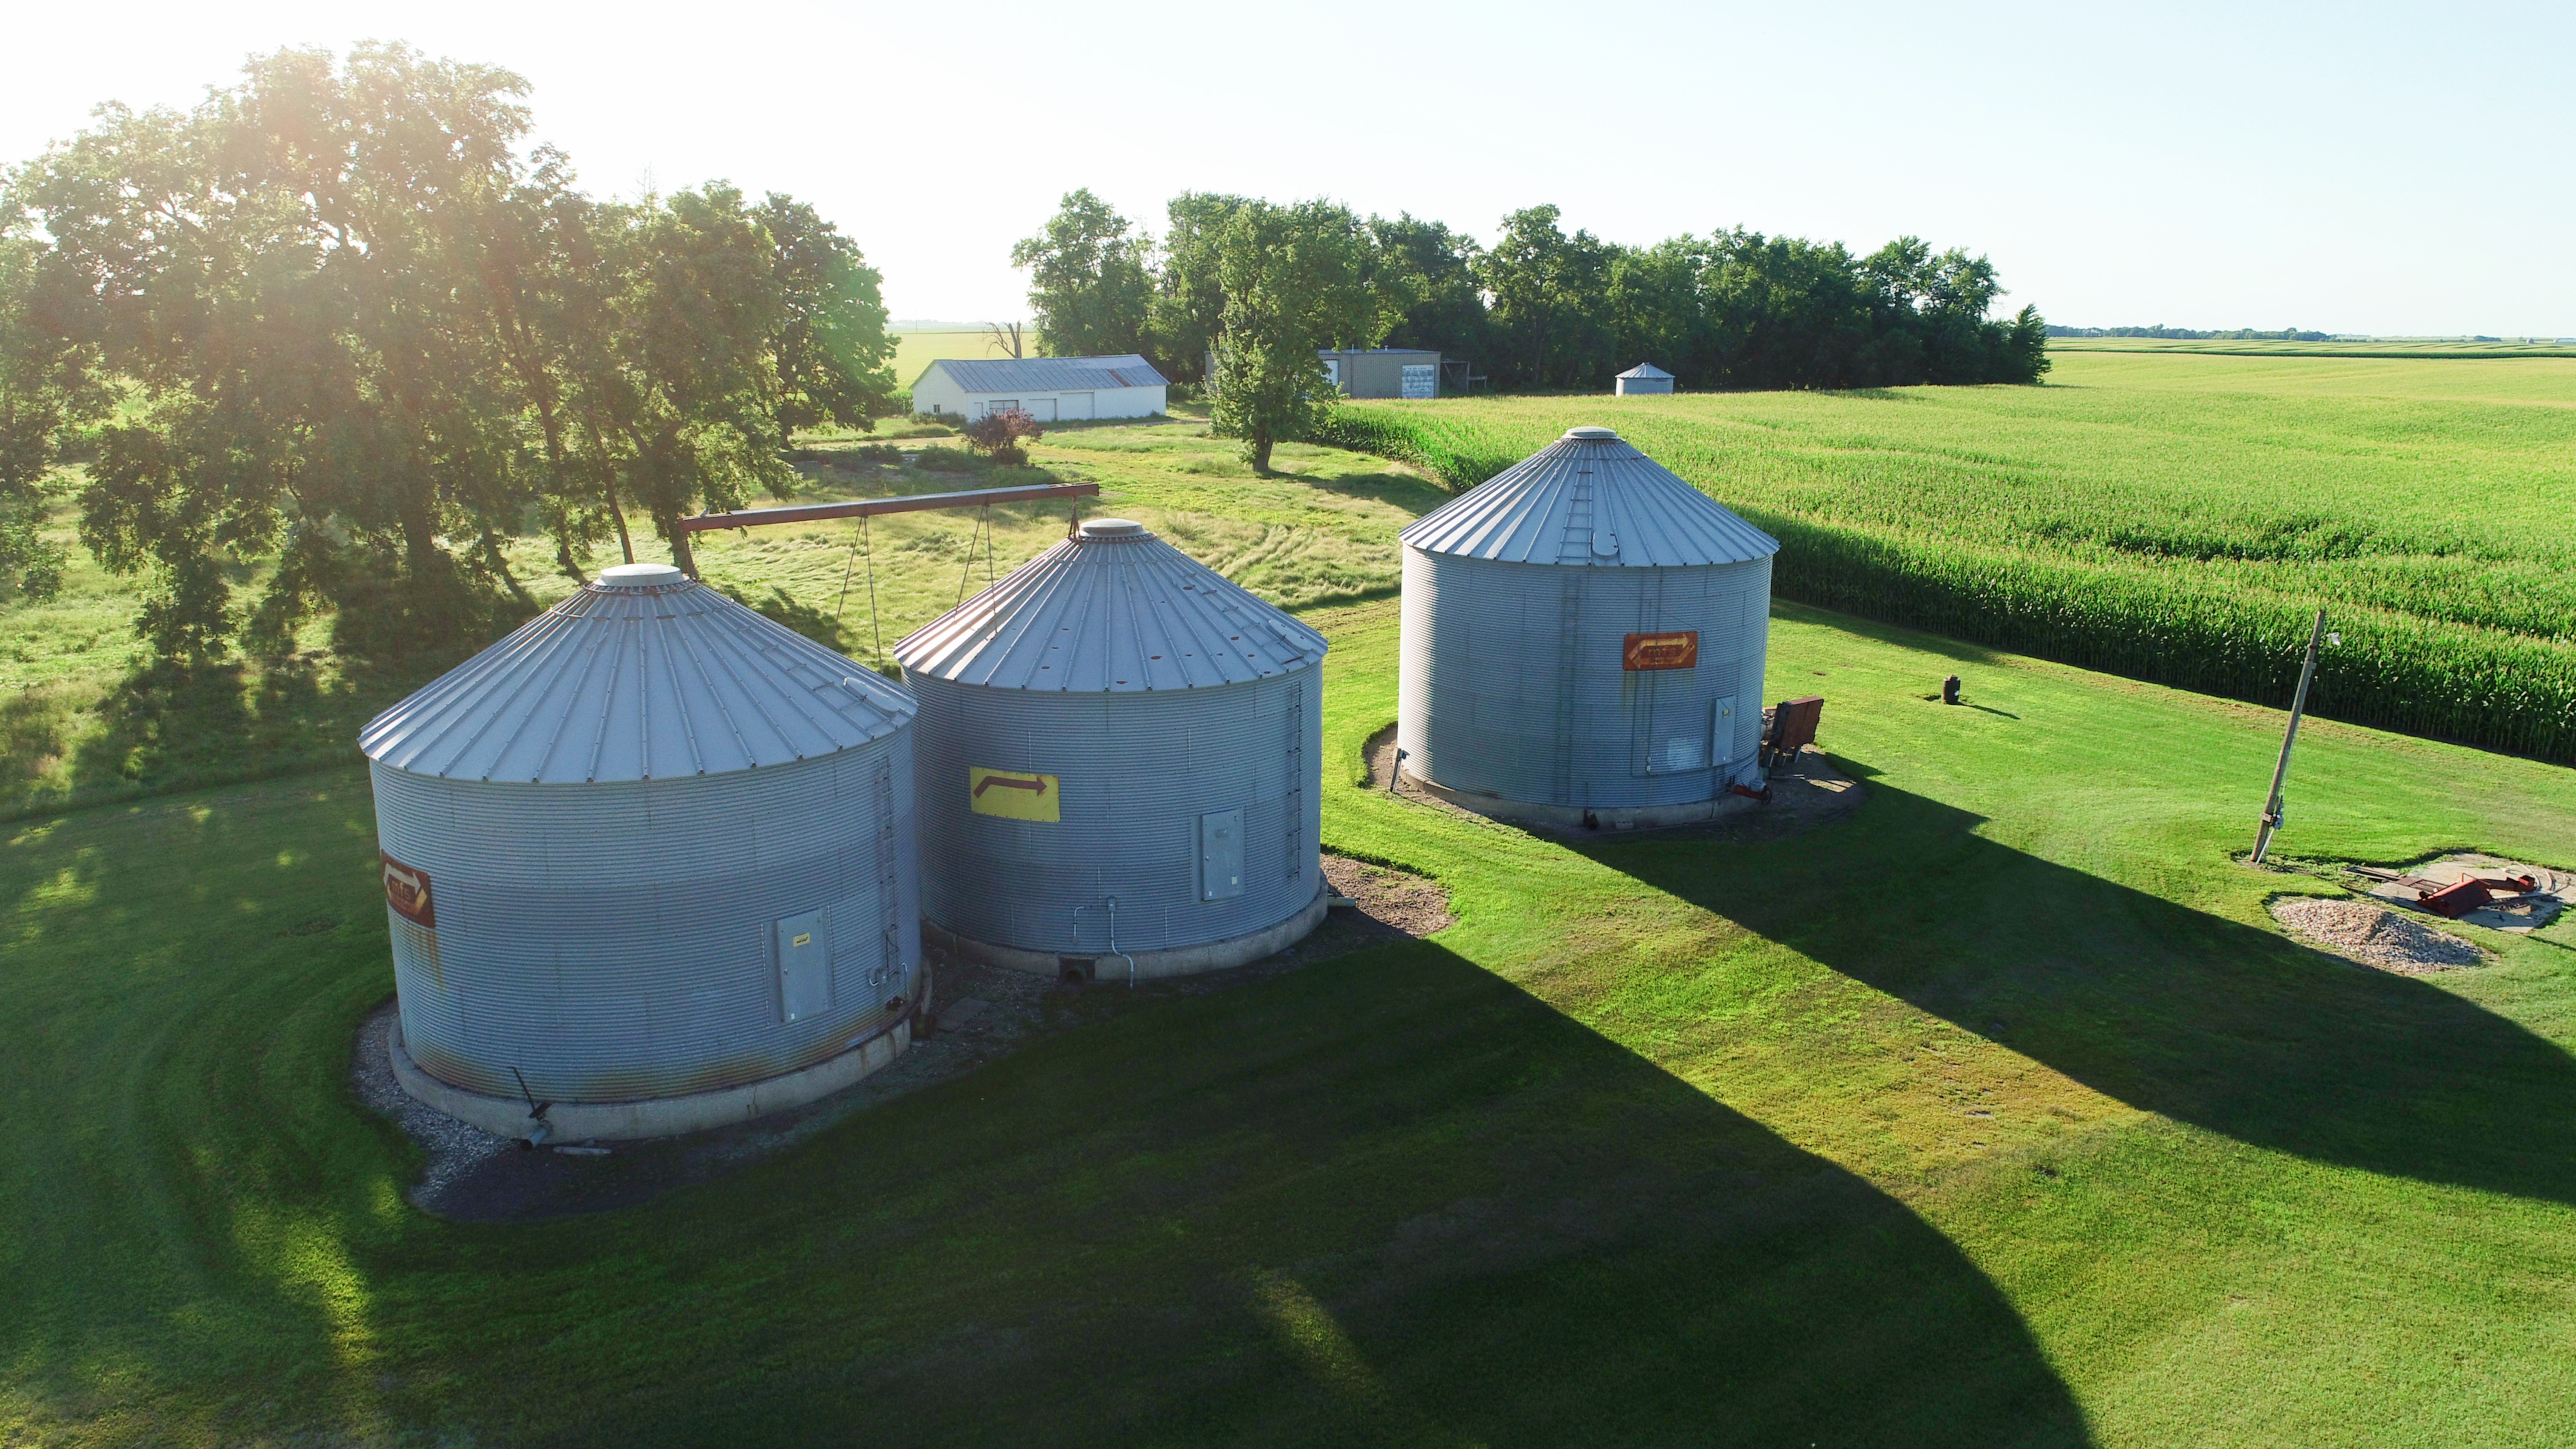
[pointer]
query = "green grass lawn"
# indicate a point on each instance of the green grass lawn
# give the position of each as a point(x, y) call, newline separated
point(2173, 517)
point(1997, 1114)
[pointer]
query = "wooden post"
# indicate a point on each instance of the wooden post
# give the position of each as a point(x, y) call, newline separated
point(2281, 771)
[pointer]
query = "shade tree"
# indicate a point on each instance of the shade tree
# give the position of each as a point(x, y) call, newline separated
point(351, 322)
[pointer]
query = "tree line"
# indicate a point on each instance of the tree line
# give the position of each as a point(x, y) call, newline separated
point(337, 315)
point(1261, 287)
point(2185, 334)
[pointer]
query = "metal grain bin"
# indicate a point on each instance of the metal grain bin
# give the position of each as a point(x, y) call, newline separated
point(650, 860)
point(1583, 642)
point(1119, 754)
point(1643, 380)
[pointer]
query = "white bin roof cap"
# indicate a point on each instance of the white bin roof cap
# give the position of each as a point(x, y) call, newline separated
point(645, 674)
point(1640, 516)
point(1113, 610)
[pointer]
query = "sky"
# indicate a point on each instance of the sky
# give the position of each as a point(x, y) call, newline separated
point(2397, 170)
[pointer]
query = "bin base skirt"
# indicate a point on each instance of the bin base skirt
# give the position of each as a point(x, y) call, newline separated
point(656, 1116)
point(1173, 961)
point(1570, 817)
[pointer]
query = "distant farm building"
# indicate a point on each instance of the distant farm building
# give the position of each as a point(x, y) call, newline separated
point(1050, 389)
point(1385, 372)
point(1643, 379)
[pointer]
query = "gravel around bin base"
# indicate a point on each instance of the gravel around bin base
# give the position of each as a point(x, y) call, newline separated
point(2375, 937)
point(453, 1148)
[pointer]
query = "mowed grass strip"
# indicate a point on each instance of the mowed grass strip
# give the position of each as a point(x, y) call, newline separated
point(2174, 518)
point(1998, 1114)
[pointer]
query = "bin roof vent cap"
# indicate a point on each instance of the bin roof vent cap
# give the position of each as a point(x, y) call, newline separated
point(640, 576)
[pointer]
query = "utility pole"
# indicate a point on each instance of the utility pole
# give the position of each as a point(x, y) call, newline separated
point(2281, 771)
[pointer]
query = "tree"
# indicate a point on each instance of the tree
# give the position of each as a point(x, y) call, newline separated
point(283, 280)
point(1549, 292)
point(1089, 281)
point(1654, 305)
point(834, 360)
point(48, 387)
point(1789, 313)
point(352, 326)
point(1431, 272)
point(1189, 300)
point(1295, 280)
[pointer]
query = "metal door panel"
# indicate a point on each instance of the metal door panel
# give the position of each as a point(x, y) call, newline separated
point(1221, 854)
point(804, 966)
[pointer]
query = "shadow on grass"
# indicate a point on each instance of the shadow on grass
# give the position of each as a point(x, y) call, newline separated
point(2164, 1007)
point(31, 735)
point(1416, 496)
point(170, 726)
point(173, 726)
point(1389, 1197)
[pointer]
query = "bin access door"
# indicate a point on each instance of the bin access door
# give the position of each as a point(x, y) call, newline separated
point(1221, 854)
point(804, 966)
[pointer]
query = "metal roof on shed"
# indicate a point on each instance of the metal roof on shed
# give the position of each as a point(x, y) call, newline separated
point(1589, 498)
point(1116, 611)
point(1050, 374)
point(1645, 369)
point(644, 675)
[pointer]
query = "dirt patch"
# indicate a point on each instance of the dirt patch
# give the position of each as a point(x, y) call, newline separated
point(2365, 932)
point(1398, 902)
point(976, 1014)
point(1806, 793)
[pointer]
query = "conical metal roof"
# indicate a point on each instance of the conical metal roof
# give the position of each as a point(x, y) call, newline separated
point(1112, 610)
point(643, 675)
point(1589, 498)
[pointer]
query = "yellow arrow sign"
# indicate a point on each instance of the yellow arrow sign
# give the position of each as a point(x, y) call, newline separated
point(1012, 794)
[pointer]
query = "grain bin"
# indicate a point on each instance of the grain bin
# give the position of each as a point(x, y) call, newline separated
point(648, 860)
point(1119, 753)
point(1583, 642)
point(1643, 380)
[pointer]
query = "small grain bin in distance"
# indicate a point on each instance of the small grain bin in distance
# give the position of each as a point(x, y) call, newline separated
point(1583, 641)
point(1119, 754)
point(650, 860)
point(1644, 379)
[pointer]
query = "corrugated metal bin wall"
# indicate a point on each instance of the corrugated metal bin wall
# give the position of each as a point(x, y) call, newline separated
point(1512, 682)
point(613, 941)
point(1136, 772)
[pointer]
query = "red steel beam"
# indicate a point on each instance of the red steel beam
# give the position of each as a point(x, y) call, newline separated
point(870, 507)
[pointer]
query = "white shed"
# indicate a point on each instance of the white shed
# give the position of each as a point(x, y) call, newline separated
point(1644, 378)
point(1050, 389)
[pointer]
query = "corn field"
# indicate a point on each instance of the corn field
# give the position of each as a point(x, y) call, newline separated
point(2169, 534)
